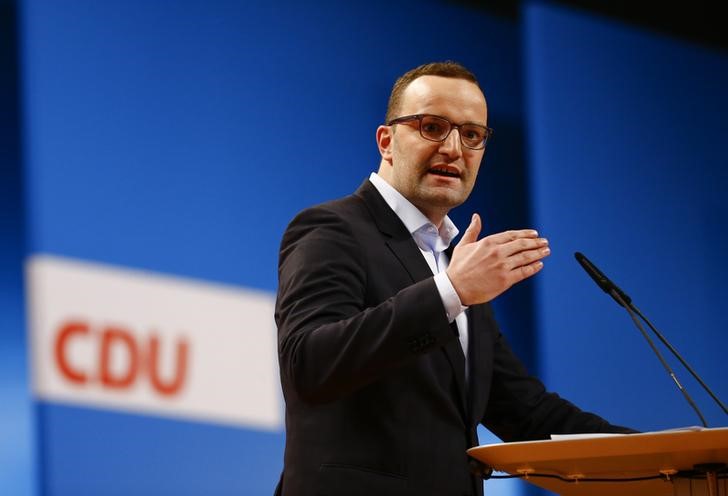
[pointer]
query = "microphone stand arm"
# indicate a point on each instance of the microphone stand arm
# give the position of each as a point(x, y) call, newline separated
point(628, 306)
point(682, 361)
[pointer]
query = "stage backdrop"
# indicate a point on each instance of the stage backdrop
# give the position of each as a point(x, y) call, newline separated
point(167, 147)
point(628, 166)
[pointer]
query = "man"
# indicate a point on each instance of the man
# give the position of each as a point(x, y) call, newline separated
point(389, 352)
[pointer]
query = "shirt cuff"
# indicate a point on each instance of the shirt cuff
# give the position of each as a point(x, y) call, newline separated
point(450, 298)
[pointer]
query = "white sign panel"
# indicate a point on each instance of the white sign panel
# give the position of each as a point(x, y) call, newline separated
point(136, 341)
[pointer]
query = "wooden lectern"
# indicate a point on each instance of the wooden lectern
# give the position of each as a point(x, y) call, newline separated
point(678, 462)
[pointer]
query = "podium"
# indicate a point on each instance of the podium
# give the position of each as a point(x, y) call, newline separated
point(669, 463)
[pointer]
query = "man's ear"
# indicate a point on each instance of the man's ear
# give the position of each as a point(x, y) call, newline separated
point(384, 142)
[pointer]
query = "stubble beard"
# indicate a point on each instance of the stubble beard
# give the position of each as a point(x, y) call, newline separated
point(436, 200)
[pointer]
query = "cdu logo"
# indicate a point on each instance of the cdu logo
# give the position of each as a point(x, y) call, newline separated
point(118, 359)
point(136, 341)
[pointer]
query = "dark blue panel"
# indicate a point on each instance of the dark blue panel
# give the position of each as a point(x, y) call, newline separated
point(629, 167)
point(16, 453)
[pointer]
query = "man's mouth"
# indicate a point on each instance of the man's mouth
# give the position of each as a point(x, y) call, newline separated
point(445, 171)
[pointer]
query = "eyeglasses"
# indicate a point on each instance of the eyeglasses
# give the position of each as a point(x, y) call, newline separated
point(436, 128)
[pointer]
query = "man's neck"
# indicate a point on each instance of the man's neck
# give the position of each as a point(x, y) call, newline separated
point(435, 215)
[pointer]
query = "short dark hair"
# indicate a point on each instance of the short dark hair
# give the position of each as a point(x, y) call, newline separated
point(448, 69)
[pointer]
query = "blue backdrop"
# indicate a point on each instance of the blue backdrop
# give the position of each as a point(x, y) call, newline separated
point(626, 132)
point(182, 139)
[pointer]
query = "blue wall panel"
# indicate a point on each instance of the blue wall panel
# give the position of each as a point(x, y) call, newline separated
point(628, 166)
point(92, 452)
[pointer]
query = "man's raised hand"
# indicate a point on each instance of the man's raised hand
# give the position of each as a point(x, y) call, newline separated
point(482, 269)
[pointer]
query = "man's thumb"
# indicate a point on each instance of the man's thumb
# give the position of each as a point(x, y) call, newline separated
point(471, 233)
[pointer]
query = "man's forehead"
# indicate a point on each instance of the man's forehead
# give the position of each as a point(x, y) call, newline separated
point(432, 91)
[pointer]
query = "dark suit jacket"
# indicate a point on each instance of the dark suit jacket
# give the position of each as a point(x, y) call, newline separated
point(373, 374)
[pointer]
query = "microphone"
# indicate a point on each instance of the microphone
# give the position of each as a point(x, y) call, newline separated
point(602, 280)
point(622, 299)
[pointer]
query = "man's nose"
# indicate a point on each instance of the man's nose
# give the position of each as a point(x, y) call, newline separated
point(452, 147)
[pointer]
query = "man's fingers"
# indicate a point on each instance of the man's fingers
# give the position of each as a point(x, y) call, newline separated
point(493, 264)
point(471, 233)
point(523, 258)
point(513, 235)
point(526, 271)
point(518, 245)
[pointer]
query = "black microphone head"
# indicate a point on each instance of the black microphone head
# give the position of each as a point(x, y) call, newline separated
point(593, 272)
point(602, 281)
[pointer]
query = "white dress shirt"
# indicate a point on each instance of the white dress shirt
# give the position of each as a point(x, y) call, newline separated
point(432, 242)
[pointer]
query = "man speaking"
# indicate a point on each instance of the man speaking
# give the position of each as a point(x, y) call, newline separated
point(389, 353)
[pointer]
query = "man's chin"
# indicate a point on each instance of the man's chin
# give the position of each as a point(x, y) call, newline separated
point(445, 200)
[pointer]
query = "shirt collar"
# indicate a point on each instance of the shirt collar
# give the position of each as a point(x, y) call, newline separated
point(415, 221)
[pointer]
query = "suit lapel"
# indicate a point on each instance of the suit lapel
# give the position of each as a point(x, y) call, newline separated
point(398, 238)
point(400, 242)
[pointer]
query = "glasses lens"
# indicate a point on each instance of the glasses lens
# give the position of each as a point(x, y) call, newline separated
point(473, 136)
point(434, 128)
